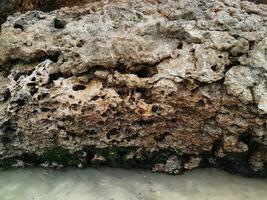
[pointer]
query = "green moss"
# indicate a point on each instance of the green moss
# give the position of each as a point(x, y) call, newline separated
point(118, 157)
point(178, 152)
point(114, 157)
point(7, 163)
point(61, 156)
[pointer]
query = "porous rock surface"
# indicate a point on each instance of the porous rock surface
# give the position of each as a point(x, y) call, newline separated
point(8, 7)
point(169, 85)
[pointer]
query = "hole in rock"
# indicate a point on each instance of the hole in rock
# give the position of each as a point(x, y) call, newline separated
point(59, 24)
point(7, 95)
point(144, 122)
point(80, 43)
point(180, 45)
point(251, 44)
point(145, 72)
point(95, 98)
point(45, 109)
point(100, 123)
point(141, 90)
point(174, 120)
point(200, 103)
point(89, 155)
point(31, 84)
point(8, 128)
point(142, 73)
point(214, 68)
point(43, 96)
point(122, 91)
point(26, 157)
point(122, 68)
point(18, 75)
point(34, 91)
point(145, 94)
point(155, 108)
point(18, 26)
point(104, 114)
point(78, 87)
point(54, 56)
point(21, 102)
point(188, 110)
point(112, 132)
point(90, 132)
point(74, 106)
point(161, 137)
point(5, 140)
point(53, 77)
point(193, 50)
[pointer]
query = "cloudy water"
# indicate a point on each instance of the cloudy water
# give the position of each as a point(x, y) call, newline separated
point(118, 184)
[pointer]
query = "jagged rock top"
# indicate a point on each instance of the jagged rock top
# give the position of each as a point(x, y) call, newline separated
point(202, 36)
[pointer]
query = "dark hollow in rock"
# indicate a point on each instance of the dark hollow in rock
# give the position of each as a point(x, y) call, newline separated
point(8, 7)
point(19, 26)
point(59, 24)
point(79, 87)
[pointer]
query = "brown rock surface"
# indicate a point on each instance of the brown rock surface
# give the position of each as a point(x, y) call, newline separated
point(168, 85)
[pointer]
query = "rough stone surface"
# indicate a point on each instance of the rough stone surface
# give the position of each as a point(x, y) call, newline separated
point(166, 85)
point(8, 7)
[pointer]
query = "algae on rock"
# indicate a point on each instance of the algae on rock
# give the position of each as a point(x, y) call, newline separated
point(166, 85)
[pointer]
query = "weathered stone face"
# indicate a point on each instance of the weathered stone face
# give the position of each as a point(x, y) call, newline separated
point(179, 84)
point(8, 7)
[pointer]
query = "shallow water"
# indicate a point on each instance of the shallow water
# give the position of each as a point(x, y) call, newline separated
point(118, 184)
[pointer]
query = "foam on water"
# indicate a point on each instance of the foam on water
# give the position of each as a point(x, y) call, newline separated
point(118, 184)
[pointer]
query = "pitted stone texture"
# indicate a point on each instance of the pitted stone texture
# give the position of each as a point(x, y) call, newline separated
point(8, 7)
point(185, 79)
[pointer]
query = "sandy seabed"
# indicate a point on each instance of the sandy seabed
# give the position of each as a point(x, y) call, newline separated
point(119, 184)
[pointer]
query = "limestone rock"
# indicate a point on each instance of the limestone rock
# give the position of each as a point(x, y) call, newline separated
point(8, 7)
point(169, 85)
